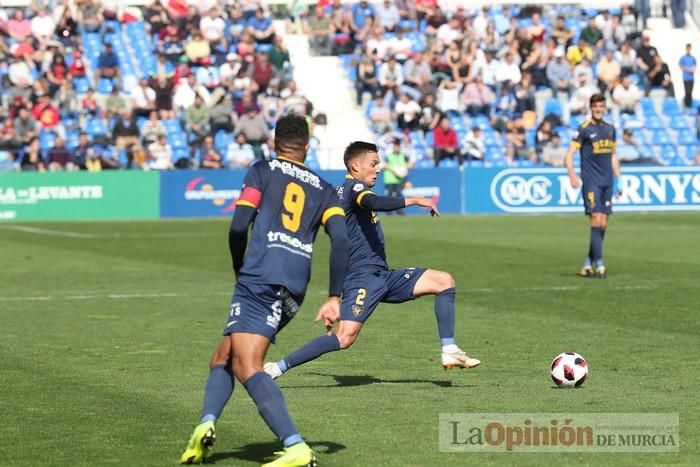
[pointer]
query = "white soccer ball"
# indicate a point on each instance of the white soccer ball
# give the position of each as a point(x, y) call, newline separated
point(569, 370)
point(401, 172)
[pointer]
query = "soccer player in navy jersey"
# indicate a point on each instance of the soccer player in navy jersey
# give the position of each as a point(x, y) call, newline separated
point(599, 180)
point(368, 280)
point(286, 203)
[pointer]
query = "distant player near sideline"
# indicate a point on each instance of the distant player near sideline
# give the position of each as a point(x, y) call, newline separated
point(286, 203)
point(368, 280)
point(600, 175)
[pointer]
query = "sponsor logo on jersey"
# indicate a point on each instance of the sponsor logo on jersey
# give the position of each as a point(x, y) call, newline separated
point(290, 243)
point(300, 173)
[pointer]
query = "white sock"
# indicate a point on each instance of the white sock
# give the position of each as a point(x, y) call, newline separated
point(450, 348)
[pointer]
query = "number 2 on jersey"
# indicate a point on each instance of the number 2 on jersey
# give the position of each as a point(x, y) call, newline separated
point(294, 198)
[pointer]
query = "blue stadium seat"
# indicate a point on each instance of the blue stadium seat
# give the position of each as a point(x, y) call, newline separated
point(425, 164)
point(647, 106)
point(678, 122)
point(653, 122)
point(47, 139)
point(670, 107)
point(429, 139)
point(553, 107)
point(660, 136)
point(448, 164)
point(687, 137)
point(81, 85)
point(105, 86)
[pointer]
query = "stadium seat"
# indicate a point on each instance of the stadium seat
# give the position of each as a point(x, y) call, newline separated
point(678, 122)
point(660, 136)
point(653, 122)
point(553, 107)
point(686, 137)
point(671, 107)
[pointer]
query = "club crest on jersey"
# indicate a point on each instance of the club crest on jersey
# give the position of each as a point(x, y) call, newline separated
point(358, 187)
point(357, 310)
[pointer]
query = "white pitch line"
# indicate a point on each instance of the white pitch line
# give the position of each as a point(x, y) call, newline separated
point(132, 296)
point(38, 231)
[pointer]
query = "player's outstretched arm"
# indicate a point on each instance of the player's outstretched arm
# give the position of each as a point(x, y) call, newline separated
point(238, 235)
point(373, 202)
point(424, 202)
point(337, 231)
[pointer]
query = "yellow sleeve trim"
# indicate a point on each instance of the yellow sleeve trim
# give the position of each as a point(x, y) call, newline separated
point(330, 212)
point(576, 144)
point(586, 123)
point(362, 195)
point(242, 202)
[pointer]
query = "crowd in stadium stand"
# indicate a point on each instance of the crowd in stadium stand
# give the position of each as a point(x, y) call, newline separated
point(91, 86)
point(87, 86)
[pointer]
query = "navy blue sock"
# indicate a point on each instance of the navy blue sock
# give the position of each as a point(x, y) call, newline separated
point(217, 392)
point(270, 402)
point(445, 314)
point(311, 351)
point(597, 243)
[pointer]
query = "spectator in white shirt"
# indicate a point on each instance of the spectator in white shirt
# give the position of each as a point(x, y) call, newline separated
point(43, 26)
point(378, 45)
point(388, 15)
point(473, 145)
point(508, 70)
point(449, 32)
point(229, 70)
point(481, 22)
point(627, 96)
point(143, 99)
point(400, 46)
point(408, 112)
point(487, 68)
point(160, 154)
point(391, 76)
point(239, 153)
point(212, 26)
point(553, 153)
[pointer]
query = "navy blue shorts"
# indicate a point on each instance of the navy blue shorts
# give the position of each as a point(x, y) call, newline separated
point(363, 292)
point(597, 198)
point(261, 309)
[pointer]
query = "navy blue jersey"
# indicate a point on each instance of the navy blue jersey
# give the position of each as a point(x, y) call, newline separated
point(597, 145)
point(365, 234)
point(292, 203)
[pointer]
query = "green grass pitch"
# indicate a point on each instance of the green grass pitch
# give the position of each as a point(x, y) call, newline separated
point(107, 330)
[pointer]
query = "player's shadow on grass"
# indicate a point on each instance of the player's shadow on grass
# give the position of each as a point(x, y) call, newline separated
point(259, 452)
point(364, 380)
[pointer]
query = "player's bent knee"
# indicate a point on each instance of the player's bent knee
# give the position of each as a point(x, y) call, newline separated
point(346, 340)
point(222, 354)
point(443, 281)
point(244, 368)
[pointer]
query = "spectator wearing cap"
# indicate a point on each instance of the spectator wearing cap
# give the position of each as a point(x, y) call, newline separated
point(473, 147)
point(239, 153)
point(107, 65)
point(627, 96)
point(253, 126)
point(559, 73)
point(400, 46)
point(229, 69)
point(388, 15)
point(209, 157)
point(609, 70)
point(197, 121)
point(261, 27)
point(197, 48)
point(212, 26)
point(59, 157)
point(477, 97)
point(575, 53)
point(380, 116)
point(446, 145)
point(318, 28)
point(659, 76)
point(553, 153)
